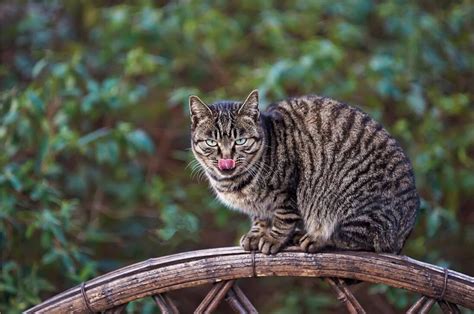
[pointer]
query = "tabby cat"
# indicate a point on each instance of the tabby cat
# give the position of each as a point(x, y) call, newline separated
point(307, 166)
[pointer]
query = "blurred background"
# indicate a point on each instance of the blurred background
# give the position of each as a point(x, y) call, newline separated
point(94, 129)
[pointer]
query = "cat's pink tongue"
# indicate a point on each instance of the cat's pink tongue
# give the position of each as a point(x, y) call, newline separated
point(226, 164)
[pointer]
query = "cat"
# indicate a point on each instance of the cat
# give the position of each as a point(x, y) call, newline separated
point(310, 168)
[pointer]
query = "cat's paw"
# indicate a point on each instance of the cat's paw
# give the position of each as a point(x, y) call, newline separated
point(249, 241)
point(296, 237)
point(311, 244)
point(269, 245)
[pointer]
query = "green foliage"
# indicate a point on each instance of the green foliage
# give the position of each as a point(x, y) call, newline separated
point(302, 301)
point(400, 298)
point(94, 126)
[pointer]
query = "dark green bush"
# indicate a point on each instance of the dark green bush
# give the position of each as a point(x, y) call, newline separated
point(94, 126)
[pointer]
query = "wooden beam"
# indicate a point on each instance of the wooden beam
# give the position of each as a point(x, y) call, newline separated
point(183, 270)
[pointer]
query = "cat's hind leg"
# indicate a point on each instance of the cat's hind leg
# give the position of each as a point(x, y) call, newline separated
point(297, 234)
point(317, 237)
point(360, 235)
point(312, 243)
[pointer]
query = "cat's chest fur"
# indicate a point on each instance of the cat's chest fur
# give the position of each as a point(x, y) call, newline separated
point(246, 201)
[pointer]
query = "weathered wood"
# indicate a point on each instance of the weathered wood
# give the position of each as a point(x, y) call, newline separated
point(244, 300)
point(158, 275)
point(235, 303)
point(427, 306)
point(165, 304)
point(170, 302)
point(352, 299)
point(415, 308)
point(210, 296)
point(161, 302)
point(214, 297)
point(448, 308)
point(345, 296)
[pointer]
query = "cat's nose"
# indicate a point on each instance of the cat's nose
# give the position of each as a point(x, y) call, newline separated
point(226, 164)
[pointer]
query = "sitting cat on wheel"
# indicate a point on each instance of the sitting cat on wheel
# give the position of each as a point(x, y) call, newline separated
point(308, 162)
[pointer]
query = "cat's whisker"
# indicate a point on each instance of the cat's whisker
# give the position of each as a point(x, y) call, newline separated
point(192, 164)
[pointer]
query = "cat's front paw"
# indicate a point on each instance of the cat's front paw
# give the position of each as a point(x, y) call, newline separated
point(269, 245)
point(311, 244)
point(250, 240)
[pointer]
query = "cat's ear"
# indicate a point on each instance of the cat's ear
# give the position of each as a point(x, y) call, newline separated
point(198, 109)
point(250, 105)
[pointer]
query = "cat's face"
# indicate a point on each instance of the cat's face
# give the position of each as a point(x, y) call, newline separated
point(226, 137)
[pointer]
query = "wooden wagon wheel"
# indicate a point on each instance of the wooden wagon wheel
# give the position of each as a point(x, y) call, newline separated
point(221, 267)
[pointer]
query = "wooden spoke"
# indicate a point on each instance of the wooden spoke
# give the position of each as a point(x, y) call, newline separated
point(423, 305)
point(342, 284)
point(235, 303)
point(448, 308)
point(427, 306)
point(165, 304)
point(415, 308)
point(345, 295)
point(244, 300)
point(214, 297)
point(239, 301)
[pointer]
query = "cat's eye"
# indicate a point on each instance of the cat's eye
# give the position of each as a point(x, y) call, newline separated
point(211, 143)
point(241, 141)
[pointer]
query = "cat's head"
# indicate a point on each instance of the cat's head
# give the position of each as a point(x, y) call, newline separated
point(226, 137)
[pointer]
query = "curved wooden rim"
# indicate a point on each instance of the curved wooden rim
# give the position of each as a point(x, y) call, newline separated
point(183, 270)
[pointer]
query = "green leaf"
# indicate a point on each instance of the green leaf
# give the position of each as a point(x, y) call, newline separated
point(39, 66)
point(416, 100)
point(42, 152)
point(141, 141)
point(50, 257)
point(107, 152)
point(93, 136)
point(14, 180)
point(433, 223)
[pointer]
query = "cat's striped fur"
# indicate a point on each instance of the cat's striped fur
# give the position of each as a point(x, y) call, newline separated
point(311, 165)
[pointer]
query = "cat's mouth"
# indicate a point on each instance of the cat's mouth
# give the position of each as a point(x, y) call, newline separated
point(226, 168)
point(226, 164)
point(227, 171)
